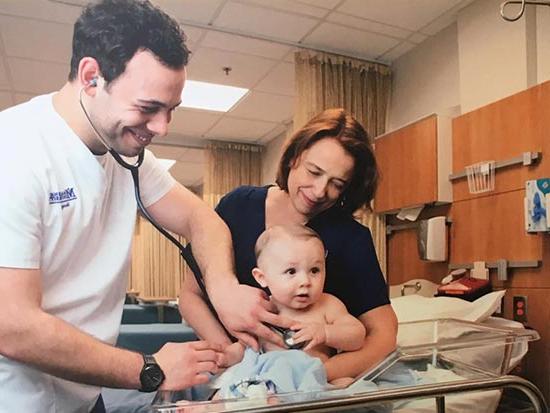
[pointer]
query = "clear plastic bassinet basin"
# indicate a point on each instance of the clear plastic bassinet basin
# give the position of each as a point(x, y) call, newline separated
point(435, 358)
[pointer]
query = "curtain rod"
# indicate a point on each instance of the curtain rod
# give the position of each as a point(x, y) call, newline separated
point(278, 41)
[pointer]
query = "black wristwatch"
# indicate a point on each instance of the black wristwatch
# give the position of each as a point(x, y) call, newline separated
point(151, 376)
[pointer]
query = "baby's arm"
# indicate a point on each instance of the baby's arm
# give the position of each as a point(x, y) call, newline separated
point(338, 330)
point(343, 331)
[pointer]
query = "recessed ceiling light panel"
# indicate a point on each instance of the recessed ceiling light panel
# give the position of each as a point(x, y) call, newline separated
point(210, 96)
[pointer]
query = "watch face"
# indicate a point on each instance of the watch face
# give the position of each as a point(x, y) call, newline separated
point(151, 377)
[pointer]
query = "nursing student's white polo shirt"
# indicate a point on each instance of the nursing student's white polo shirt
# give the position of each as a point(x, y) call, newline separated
point(71, 214)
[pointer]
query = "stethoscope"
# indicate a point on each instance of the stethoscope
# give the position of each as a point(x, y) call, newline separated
point(286, 334)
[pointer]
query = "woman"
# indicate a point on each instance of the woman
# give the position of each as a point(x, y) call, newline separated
point(326, 172)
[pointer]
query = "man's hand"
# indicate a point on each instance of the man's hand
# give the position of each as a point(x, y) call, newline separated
point(233, 354)
point(187, 364)
point(312, 333)
point(243, 310)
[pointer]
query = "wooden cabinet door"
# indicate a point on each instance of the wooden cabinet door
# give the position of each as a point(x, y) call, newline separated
point(407, 161)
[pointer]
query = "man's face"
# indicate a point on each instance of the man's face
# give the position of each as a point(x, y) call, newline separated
point(138, 105)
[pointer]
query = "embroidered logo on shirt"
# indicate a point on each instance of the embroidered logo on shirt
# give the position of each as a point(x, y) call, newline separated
point(62, 197)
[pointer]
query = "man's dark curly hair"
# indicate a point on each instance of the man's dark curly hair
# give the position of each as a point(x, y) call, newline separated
point(336, 124)
point(112, 31)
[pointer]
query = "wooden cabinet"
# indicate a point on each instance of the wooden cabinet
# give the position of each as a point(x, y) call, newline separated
point(414, 163)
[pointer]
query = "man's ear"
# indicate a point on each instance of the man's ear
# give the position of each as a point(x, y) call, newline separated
point(259, 276)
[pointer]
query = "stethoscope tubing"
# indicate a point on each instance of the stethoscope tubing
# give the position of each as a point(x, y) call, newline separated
point(184, 252)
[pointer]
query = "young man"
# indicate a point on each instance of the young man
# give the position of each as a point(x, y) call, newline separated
point(67, 220)
point(291, 264)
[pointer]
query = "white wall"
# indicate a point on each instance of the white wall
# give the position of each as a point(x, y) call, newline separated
point(493, 54)
point(543, 44)
point(426, 79)
point(478, 60)
point(270, 158)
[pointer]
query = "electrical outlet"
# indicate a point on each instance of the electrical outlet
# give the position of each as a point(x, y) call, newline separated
point(520, 308)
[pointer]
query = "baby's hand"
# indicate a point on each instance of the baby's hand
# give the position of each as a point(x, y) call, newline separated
point(311, 333)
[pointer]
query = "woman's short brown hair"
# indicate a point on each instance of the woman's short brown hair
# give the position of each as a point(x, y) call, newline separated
point(336, 124)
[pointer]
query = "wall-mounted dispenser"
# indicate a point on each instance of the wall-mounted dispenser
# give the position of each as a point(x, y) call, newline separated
point(432, 239)
point(536, 202)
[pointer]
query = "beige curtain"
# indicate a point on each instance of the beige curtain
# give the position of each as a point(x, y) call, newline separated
point(157, 270)
point(229, 165)
point(363, 89)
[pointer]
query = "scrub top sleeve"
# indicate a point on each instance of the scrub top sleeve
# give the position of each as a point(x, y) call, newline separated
point(22, 198)
point(368, 288)
point(230, 204)
point(154, 180)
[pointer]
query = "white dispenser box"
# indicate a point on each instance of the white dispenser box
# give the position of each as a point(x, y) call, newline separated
point(432, 239)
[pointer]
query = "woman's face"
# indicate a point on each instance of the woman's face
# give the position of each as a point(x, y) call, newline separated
point(319, 177)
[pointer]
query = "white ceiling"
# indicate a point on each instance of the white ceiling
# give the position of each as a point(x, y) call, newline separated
point(255, 38)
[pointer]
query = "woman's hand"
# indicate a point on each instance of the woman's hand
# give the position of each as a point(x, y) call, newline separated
point(312, 333)
point(233, 354)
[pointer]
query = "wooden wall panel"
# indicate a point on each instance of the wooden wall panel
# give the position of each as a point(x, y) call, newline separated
point(535, 367)
point(491, 228)
point(408, 166)
point(528, 277)
point(500, 131)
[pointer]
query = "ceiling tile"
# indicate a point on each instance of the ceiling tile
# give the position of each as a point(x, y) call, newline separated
point(417, 38)
point(240, 129)
point(23, 97)
point(265, 106)
point(411, 15)
point(193, 155)
point(368, 25)
point(166, 151)
point(36, 40)
point(358, 42)
point(201, 11)
point(280, 80)
point(207, 65)
point(275, 132)
point(398, 51)
point(32, 76)
point(193, 37)
point(189, 122)
point(5, 100)
point(178, 153)
point(266, 22)
point(445, 19)
point(187, 174)
point(290, 6)
point(4, 83)
point(241, 44)
point(57, 11)
point(327, 4)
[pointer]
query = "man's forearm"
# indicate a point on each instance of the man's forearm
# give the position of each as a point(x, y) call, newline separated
point(56, 347)
point(212, 247)
point(194, 310)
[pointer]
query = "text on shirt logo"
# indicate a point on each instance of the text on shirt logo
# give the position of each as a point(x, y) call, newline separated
point(62, 196)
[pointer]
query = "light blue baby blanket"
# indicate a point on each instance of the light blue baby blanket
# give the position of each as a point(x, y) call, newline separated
point(280, 371)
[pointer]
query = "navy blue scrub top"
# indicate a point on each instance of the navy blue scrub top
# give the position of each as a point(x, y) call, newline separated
point(352, 270)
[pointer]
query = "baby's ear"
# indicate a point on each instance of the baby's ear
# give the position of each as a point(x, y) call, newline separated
point(259, 276)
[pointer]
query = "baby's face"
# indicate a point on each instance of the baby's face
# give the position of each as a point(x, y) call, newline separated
point(294, 271)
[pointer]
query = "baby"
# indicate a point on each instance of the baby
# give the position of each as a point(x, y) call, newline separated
point(291, 264)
